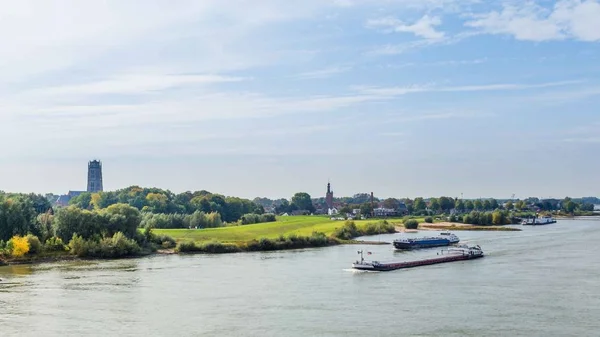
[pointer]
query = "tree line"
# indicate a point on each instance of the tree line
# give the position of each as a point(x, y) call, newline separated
point(155, 200)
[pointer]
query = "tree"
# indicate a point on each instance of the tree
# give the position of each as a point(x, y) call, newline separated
point(18, 246)
point(520, 205)
point(419, 204)
point(487, 205)
point(570, 206)
point(494, 204)
point(446, 203)
point(303, 201)
point(434, 204)
point(469, 205)
point(478, 205)
point(366, 209)
point(122, 218)
point(509, 205)
point(17, 216)
point(283, 207)
point(71, 220)
point(82, 201)
point(459, 205)
point(391, 203)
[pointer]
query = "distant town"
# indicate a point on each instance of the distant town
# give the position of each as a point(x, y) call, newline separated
point(365, 204)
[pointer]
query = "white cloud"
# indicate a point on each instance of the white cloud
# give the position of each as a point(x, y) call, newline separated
point(137, 84)
point(528, 21)
point(323, 73)
point(424, 27)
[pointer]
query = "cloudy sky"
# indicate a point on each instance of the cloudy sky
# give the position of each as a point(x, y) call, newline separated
point(270, 97)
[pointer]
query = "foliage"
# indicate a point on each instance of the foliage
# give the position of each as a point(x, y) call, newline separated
point(155, 200)
point(35, 246)
point(349, 230)
point(198, 219)
point(316, 239)
point(109, 247)
point(212, 247)
point(17, 215)
point(428, 219)
point(248, 219)
point(487, 218)
point(411, 224)
point(18, 246)
point(303, 201)
point(54, 244)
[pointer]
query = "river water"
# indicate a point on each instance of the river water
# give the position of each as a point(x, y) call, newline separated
point(543, 281)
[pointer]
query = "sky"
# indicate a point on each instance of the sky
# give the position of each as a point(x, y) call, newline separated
point(266, 98)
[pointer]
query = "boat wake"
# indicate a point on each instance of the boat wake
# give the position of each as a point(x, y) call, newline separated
point(356, 271)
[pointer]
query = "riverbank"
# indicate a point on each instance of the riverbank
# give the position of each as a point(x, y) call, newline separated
point(286, 233)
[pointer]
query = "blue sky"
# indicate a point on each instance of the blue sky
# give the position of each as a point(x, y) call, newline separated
point(267, 97)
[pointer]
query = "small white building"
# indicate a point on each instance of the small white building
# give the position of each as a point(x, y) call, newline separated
point(332, 211)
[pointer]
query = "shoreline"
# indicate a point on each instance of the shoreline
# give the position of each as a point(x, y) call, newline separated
point(439, 226)
point(455, 226)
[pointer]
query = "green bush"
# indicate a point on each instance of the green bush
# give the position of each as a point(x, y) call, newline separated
point(54, 244)
point(252, 218)
point(428, 219)
point(111, 247)
point(185, 246)
point(380, 227)
point(347, 231)
point(212, 247)
point(35, 246)
point(411, 224)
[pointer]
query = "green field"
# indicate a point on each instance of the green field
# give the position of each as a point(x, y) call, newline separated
point(299, 225)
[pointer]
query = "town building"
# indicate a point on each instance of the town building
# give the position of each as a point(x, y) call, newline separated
point(94, 176)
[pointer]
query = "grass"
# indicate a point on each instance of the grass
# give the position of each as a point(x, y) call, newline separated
point(299, 225)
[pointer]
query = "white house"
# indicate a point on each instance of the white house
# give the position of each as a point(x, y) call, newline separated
point(332, 211)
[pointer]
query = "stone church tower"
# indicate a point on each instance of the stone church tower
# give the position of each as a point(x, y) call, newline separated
point(329, 197)
point(94, 176)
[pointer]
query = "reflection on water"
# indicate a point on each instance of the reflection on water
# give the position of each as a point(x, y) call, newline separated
point(542, 281)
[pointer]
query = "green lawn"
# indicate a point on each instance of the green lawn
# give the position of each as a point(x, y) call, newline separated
point(300, 225)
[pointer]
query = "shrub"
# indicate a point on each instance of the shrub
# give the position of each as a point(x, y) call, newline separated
point(165, 241)
point(185, 246)
point(35, 246)
point(18, 246)
point(55, 244)
point(428, 219)
point(111, 247)
point(380, 227)
point(252, 218)
point(452, 218)
point(346, 232)
point(411, 224)
point(216, 247)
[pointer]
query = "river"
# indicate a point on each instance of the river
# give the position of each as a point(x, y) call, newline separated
point(543, 281)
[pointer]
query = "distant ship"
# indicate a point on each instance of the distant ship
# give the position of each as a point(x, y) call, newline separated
point(545, 220)
point(460, 253)
point(445, 239)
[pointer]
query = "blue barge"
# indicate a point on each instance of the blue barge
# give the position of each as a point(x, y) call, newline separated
point(445, 239)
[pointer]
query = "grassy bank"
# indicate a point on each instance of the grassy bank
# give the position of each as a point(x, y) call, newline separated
point(296, 225)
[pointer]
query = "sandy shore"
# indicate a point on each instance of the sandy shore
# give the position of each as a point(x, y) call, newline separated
point(453, 226)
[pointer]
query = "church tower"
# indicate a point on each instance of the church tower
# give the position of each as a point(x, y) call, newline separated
point(329, 197)
point(94, 176)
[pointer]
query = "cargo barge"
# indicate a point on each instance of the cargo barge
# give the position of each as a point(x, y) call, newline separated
point(535, 221)
point(460, 253)
point(445, 239)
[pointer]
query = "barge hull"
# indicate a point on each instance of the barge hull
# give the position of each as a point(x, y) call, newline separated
point(418, 263)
